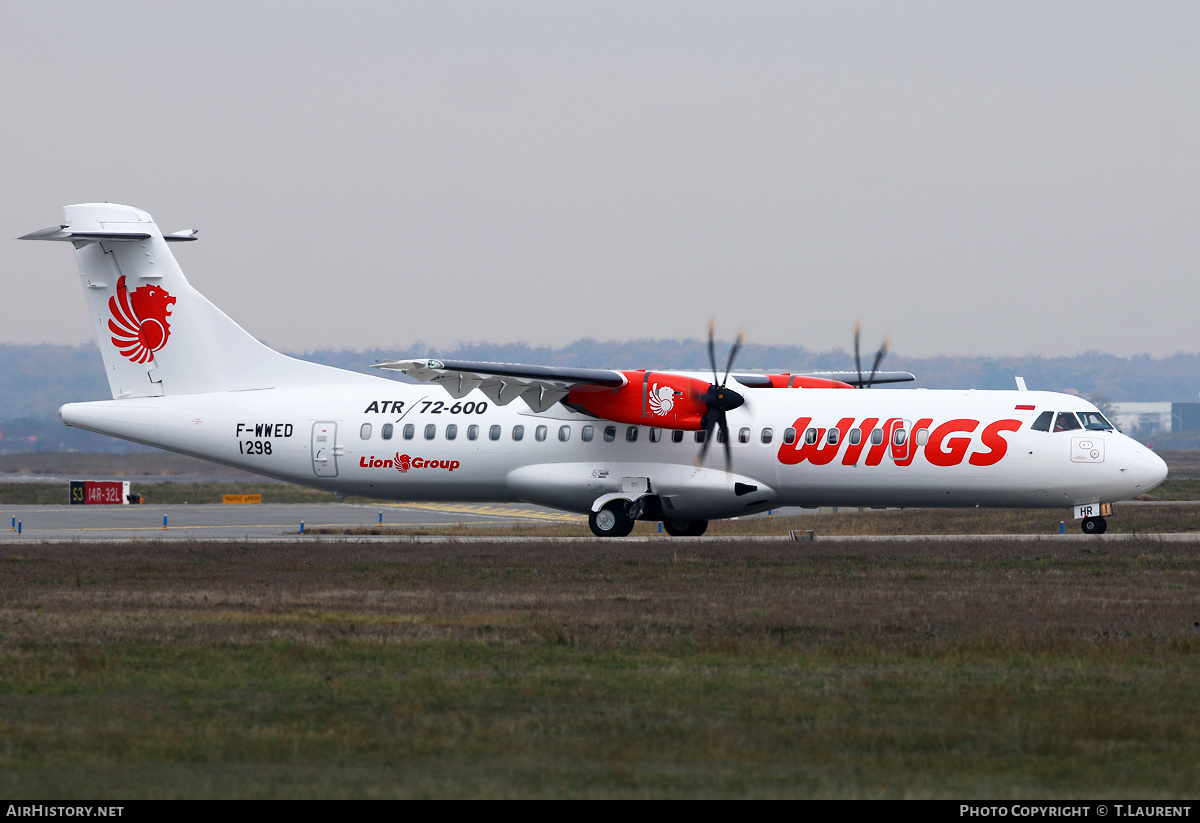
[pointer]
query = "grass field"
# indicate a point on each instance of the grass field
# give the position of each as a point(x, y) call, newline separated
point(538, 669)
point(718, 668)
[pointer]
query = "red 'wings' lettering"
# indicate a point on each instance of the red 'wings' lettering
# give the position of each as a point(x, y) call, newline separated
point(994, 440)
point(957, 446)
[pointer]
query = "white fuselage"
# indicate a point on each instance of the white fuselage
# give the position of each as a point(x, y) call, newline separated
point(959, 448)
point(185, 377)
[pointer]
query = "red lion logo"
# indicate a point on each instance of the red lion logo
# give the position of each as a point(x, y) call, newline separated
point(139, 320)
point(403, 462)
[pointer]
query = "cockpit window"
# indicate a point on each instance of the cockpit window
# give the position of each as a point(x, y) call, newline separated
point(1065, 422)
point(1042, 424)
point(1094, 421)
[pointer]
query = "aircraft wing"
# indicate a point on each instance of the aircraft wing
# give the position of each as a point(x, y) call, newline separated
point(539, 386)
point(853, 378)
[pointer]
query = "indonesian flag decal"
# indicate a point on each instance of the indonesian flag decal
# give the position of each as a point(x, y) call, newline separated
point(139, 320)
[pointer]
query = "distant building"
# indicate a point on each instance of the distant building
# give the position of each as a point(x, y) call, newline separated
point(1143, 419)
point(1150, 419)
point(1185, 417)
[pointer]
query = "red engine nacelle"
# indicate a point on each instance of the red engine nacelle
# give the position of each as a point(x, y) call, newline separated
point(669, 401)
point(796, 381)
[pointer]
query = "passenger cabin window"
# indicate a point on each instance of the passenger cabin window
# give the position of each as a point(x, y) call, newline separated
point(899, 436)
point(610, 434)
point(855, 437)
point(564, 433)
point(472, 432)
point(588, 433)
point(631, 434)
point(494, 432)
point(810, 436)
point(832, 436)
point(720, 435)
point(876, 436)
point(365, 431)
point(789, 435)
point(409, 431)
point(518, 432)
point(922, 436)
point(700, 435)
point(430, 431)
point(1094, 421)
point(655, 435)
point(744, 434)
point(387, 431)
point(1042, 424)
point(1065, 422)
point(677, 436)
point(451, 431)
point(767, 434)
point(540, 433)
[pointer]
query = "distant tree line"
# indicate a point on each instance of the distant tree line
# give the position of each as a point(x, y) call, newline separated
point(36, 380)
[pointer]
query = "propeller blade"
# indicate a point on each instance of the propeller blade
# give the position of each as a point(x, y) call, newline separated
point(857, 358)
point(737, 344)
point(887, 344)
point(712, 357)
point(709, 424)
point(723, 422)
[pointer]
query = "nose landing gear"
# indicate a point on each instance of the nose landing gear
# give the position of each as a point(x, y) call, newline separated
point(1094, 525)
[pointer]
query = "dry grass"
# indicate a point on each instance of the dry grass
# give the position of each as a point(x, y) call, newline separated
point(607, 669)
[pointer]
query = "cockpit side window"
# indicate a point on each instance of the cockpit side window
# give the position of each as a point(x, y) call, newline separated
point(1094, 421)
point(1042, 424)
point(1065, 422)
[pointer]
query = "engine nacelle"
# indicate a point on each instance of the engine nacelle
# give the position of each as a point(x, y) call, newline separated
point(790, 381)
point(669, 401)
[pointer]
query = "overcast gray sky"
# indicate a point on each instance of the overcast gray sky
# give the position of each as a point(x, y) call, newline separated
point(975, 178)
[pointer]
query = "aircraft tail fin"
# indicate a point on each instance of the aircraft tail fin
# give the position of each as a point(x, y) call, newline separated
point(157, 334)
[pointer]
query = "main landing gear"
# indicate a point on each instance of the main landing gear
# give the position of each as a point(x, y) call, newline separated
point(611, 521)
point(685, 528)
point(616, 520)
point(1094, 525)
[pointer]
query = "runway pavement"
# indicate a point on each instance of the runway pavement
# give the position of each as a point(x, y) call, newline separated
point(281, 522)
point(253, 521)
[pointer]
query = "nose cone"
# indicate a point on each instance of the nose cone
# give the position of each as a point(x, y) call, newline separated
point(1148, 469)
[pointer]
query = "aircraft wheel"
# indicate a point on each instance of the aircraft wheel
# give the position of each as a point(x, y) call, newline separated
point(611, 521)
point(685, 528)
point(1094, 525)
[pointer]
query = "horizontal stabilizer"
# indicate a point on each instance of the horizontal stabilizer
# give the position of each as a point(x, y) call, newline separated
point(64, 233)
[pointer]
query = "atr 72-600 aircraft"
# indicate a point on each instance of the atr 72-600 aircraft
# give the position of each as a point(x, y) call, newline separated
point(618, 445)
